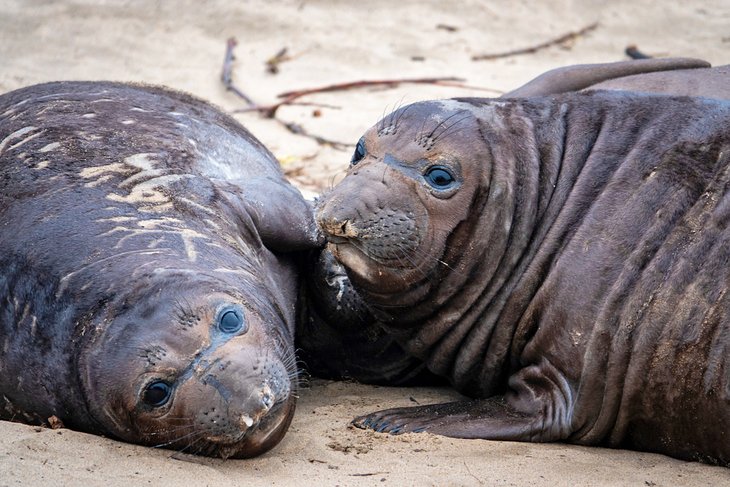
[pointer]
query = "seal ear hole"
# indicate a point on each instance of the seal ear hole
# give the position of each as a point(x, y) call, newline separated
point(157, 393)
point(232, 321)
point(359, 152)
point(439, 177)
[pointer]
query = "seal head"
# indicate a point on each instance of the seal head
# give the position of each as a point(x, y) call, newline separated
point(408, 188)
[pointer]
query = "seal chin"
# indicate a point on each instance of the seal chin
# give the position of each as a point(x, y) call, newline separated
point(367, 273)
point(250, 435)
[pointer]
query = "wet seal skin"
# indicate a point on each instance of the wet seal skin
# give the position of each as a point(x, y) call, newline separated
point(147, 287)
point(562, 260)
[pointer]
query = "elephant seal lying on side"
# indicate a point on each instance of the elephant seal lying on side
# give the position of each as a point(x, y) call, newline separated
point(147, 292)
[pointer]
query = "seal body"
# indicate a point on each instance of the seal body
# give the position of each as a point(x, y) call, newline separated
point(146, 287)
point(562, 260)
point(340, 336)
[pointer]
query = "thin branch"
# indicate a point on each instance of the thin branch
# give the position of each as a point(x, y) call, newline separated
point(529, 50)
point(363, 83)
point(226, 73)
point(634, 53)
point(290, 96)
point(297, 129)
point(272, 64)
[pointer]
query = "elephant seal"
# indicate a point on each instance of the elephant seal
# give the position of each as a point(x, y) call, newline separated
point(340, 337)
point(562, 260)
point(672, 76)
point(147, 287)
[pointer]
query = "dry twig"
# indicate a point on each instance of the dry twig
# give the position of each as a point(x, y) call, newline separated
point(529, 50)
point(290, 96)
point(226, 73)
point(365, 83)
point(634, 53)
point(272, 64)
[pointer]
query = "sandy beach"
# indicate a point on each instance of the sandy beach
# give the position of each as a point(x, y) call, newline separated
point(182, 44)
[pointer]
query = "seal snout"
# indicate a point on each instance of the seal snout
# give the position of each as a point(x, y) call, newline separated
point(262, 402)
point(334, 223)
point(341, 229)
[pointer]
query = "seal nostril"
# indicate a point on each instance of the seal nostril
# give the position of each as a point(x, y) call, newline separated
point(267, 397)
point(347, 229)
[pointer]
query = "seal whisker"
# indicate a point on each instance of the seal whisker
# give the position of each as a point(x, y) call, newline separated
point(381, 125)
point(180, 438)
point(167, 431)
point(400, 113)
point(421, 130)
point(448, 130)
point(196, 442)
point(405, 254)
point(442, 122)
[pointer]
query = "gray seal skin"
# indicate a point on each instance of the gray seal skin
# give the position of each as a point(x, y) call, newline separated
point(147, 291)
point(562, 260)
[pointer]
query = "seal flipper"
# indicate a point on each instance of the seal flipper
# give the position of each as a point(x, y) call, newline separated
point(490, 419)
point(538, 408)
point(283, 219)
point(487, 419)
point(581, 76)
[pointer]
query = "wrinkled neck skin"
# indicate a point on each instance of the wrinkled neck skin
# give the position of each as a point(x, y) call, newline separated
point(485, 249)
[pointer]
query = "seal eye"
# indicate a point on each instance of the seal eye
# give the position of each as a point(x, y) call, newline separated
point(359, 151)
point(157, 393)
point(231, 321)
point(439, 177)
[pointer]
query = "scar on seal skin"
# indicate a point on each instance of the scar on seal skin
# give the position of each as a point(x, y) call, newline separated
point(562, 260)
point(148, 290)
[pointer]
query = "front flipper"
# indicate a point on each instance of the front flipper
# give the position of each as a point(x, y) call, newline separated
point(284, 220)
point(537, 407)
point(491, 419)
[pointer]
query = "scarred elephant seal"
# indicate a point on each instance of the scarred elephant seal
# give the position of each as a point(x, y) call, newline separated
point(146, 290)
point(562, 260)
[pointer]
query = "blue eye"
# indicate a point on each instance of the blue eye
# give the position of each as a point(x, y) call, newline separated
point(157, 393)
point(359, 151)
point(439, 177)
point(231, 321)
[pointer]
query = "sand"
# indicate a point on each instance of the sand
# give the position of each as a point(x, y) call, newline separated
point(181, 44)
